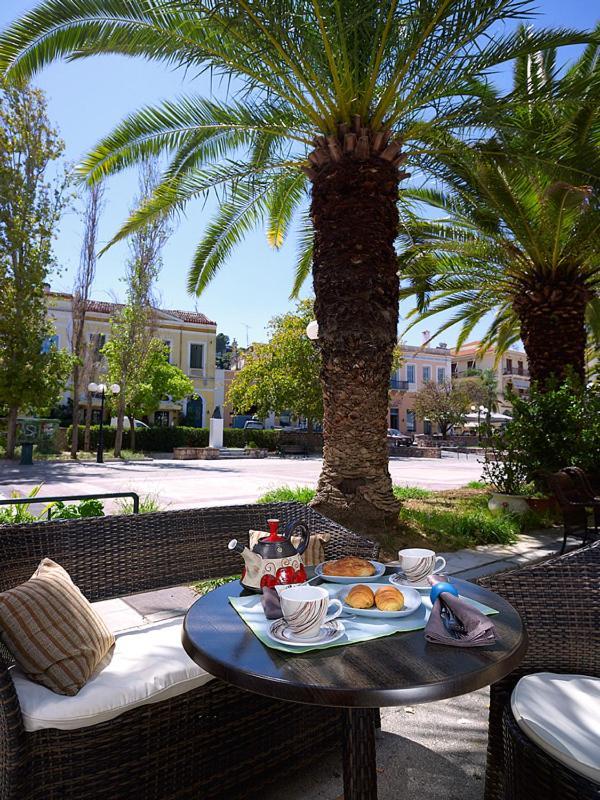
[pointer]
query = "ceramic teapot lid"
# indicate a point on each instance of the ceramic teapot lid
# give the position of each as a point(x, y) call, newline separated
point(274, 545)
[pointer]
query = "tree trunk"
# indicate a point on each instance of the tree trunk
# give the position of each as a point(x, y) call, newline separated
point(356, 287)
point(132, 432)
point(88, 424)
point(11, 431)
point(75, 434)
point(552, 316)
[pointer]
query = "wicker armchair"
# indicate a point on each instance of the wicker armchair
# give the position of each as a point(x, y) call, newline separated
point(203, 744)
point(575, 497)
point(559, 601)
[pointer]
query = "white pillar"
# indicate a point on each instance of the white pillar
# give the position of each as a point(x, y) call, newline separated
point(215, 437)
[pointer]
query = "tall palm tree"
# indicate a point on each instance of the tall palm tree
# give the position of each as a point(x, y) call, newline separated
point(327, 92)
point(520, 227)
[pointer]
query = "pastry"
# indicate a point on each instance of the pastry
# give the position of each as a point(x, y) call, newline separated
point(388, 598)
point(349, 567)
point(360, 596)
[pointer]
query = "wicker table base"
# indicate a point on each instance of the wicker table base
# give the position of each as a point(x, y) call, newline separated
point(360, 773)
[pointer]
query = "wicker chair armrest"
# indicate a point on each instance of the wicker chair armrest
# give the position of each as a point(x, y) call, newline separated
point(347, 543)
point(13, 739)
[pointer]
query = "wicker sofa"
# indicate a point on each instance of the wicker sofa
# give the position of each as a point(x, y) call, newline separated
point(559, 601)
point(212, 742)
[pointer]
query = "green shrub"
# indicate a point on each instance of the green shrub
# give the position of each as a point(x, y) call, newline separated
point(85, 508)
point(475, 485)
point(149, 504)
point(464, 524)
point(238, 437)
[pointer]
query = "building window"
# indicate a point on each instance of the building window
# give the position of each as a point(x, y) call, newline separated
point(50, 342)
point(520, 367)
point(167, 344)
point(161, 418)
point(411, 421)
point(470, 365)
point(394, 419)
point(97, 341)
point(509, 365)
point(196, 356)
point(410, 373)
point(427, 427)
point(426, 374)
point(441, 373)
point(453, 368)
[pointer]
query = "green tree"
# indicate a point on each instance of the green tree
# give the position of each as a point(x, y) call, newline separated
point(153, 380)
point(481, 387)
point(328, 92)
point(32, 372)
point(518, 235)
point(445, 404)
point(282, 375)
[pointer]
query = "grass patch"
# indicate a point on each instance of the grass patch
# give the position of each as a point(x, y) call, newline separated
point(288, 494)
point(411, 493)
point(149, 504)
point(475, 485)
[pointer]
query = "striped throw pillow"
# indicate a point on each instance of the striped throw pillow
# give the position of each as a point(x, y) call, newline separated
point(52, 631)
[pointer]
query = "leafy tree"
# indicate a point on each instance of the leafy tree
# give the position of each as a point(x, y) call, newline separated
point(32, 373)
point(282, 375)
point(155, 379)
point(328, 93)
point(481, 387)
point(445, 404)
point(518, 235)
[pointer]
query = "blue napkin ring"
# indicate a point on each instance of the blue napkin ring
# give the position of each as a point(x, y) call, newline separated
point(438, 588)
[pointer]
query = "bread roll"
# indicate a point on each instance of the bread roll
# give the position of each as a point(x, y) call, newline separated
point(388, 598)
point(360, 596)
point(349, 567)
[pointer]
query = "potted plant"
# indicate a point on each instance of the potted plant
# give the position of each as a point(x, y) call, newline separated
point(506, 474)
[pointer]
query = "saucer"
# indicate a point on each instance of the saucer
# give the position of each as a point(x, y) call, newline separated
point(330, 632)
point(379, 570)
point(401, 581)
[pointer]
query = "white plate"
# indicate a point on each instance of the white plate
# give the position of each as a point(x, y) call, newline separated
point(412, 601)
point(330, 632)
point(379, 570)
point(401, 582)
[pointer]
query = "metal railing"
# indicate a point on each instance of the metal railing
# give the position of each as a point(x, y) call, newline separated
point(401, 386)
point(19, 501)
point(524, 373)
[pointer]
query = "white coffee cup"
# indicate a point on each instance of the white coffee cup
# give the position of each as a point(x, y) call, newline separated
point(305, 609)
point(418, 563)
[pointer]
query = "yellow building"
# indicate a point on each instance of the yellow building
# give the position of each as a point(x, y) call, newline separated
point(189, 335)
point(510, 369)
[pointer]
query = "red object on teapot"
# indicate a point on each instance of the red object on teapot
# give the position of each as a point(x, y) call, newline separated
point(274, 535)
point(268, 580)
point(285, 575)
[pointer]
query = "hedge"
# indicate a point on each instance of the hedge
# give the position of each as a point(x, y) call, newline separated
point(161, 439)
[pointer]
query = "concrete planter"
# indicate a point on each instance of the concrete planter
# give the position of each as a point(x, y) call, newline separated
point(513, 503)
point(252, 452)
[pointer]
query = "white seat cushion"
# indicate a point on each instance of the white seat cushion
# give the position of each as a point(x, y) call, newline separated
point(561, 714)
point(148, 665)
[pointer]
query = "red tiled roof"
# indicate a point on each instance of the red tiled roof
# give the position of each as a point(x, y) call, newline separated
point(103, 307)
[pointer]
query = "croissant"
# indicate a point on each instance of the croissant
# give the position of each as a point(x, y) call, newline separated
point(360, 596)
point(351, 566)
point(388, 598)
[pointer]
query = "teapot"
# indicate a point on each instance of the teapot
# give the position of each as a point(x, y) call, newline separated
point(274, 561)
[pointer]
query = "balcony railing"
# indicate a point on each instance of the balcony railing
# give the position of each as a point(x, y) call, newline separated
point(523, 373)
point(399, 386)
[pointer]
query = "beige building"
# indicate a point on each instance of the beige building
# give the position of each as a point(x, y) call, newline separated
point(189, 335)
point(511, 369)
point(419, 365)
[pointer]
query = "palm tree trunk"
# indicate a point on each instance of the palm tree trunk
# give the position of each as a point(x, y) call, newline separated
point(552, 316)
point(356, 304)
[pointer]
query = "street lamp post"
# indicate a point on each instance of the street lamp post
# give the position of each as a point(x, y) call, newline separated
point(101, 389)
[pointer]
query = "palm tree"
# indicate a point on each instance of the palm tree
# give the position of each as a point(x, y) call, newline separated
point(326, 93)
point(521, 221)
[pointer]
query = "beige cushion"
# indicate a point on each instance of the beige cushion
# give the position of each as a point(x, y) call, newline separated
point(561, 714)
point(148, 665)
point(314, 553)
point(52, 631)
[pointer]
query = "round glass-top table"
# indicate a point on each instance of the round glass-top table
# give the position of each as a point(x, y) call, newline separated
point(402, 669)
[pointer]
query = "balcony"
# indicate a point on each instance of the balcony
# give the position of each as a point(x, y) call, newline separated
point(399, 386)
point(521, 373)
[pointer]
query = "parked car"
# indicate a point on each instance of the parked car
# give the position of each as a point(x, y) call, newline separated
point(397, 438)
point(253, 425)
point(137, 422)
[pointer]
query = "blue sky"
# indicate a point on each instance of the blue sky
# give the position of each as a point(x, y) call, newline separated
point(86, 99)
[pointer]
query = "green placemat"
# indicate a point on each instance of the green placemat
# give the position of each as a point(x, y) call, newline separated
point(359, 629)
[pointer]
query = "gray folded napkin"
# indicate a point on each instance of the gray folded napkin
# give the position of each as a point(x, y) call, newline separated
point(270, 603)
point(456, 622)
